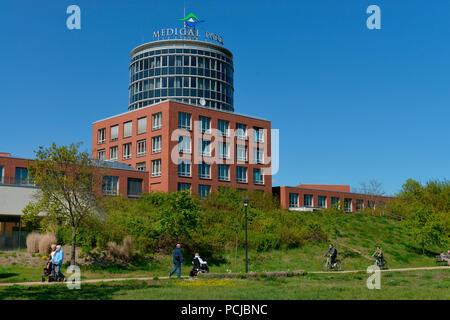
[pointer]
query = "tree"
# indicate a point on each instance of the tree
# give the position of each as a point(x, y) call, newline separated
point(69, 187)
point(371, 188)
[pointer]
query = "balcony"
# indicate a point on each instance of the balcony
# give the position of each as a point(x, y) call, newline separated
point(16, 181)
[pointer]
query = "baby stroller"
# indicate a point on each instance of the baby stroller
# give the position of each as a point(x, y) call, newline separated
point(49, 270)
point(198, 267)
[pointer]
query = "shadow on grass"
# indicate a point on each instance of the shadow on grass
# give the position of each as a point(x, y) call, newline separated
point(104, 291)
point(7, 275)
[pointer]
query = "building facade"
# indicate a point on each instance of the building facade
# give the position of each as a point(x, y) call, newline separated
point(189, 71)
point(188, 147)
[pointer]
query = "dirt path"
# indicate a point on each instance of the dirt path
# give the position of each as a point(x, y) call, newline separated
point(184, 277)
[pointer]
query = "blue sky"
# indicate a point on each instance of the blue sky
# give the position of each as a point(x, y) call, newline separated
point(351, 104)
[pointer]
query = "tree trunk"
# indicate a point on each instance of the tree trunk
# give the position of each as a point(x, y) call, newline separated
point(74, 242)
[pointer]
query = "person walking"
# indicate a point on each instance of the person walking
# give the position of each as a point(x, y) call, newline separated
point(57, 261)
point(177, 260)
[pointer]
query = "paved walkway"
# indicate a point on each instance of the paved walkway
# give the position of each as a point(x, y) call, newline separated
point(185, 277)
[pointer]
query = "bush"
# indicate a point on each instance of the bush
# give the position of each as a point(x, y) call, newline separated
point(127, 248)
point(33, 242)
point(45, 243)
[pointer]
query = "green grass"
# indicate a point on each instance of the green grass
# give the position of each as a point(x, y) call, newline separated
point(396, 285)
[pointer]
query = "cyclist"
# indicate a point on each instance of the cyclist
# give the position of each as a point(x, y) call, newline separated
point(332, 251)
point(378, 254)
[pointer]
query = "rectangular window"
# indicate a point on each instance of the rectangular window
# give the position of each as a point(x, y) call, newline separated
point(183, 186)
point(347, 205)
point(203, 191)
point(258, 134)
point(308, 200)
point(241, 174)
point(184, 168)
point(127, 150)
point(141, 148)
point(142, 125)
point(293, 200)
point(335, 202)
point(322, 202)
point(21, 176)
point(134, 187)
point(258, 176)
point(204, 147)
point(205, 124)
point(224, 172)
point(223, 127)
point(101, 154)
point(184, 120)
point(1, 175)
point(156, 168)
point(184, 144)
point(359, 204)
point(224, 150)
point(258, 156)
point(371, 204)
point(110, 185)
point(241, 153)
point(127, 129)
point(241, 131)
point(141, 166)
point(114, 132)
point(101, 136)
point(156, 144)
point(113, 153)
point(204, 170)
point(157, 121)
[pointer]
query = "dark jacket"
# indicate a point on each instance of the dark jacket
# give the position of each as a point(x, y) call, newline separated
point(177, 257)
point(332, 251)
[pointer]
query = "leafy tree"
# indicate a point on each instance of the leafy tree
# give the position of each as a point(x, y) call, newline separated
point(69, 186)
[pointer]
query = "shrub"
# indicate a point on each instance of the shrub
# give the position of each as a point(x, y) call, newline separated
point(45, 243)
point(126, 250)
point(33, 242)
point(113, 250)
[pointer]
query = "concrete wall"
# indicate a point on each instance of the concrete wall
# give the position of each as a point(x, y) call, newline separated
point(14, 198)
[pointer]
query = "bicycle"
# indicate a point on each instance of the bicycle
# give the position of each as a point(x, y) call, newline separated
point(381, 264)
point(326, 265)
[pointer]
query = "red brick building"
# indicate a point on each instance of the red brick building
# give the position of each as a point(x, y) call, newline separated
point(184, 146)
point(313, 197)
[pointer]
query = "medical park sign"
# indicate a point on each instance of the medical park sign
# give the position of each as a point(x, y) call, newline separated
point(189, 31)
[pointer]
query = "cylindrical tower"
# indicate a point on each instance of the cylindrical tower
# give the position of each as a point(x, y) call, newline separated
point(190, 71)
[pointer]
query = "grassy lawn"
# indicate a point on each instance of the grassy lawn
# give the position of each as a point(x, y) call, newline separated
point(396, 285)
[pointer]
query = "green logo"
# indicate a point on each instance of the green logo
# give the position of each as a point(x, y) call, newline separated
point(191, 20)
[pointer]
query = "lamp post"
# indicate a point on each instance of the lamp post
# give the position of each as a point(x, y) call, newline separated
point(246, 248)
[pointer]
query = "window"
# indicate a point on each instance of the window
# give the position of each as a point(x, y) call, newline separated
point(371, 204)
point(183, 186)
point(141, 148)
point(156, 144)
point(142, 125)
point(241, 131)
point(322, 202)
point(127, 129)
point(157, 121)
point(1, 175)
point(21, 176)
point(127, 150)
point(203, 191)
point(101, 136)
point(204, 147)
point(184, 144)
point(308, 200)
point(258, 134)
point(359, 204)
point(114, 133)
point(224, 150)
point(241, 174)
point(184, 120)
point(113, 153)
point(335, 202)
point(134, 187)
point(258, 156)
point(110, 185)
point(258, 176)
point(204, 170)
point(184, 168)
point(347, 205)
point(224, 172)
point(223, 127)
point(241, 153)
point(156, 168)
point(101, 154)
point(293, 200)
point(141, 166)
point(205, 124)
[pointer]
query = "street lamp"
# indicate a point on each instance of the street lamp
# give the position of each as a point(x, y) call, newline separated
point(246, 248)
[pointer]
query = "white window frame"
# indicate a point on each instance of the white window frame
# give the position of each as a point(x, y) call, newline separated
point(141, 166)
point(127, 150)
point(220, 177)
point(116, 157)
point(99, 152)
point(156, 144)
point(238, 154)
point(101, 135)
point(238, 179)
point(156, 164)
point(127, 129)
point(141, 148)
point(142, 125)
point(157, 121)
